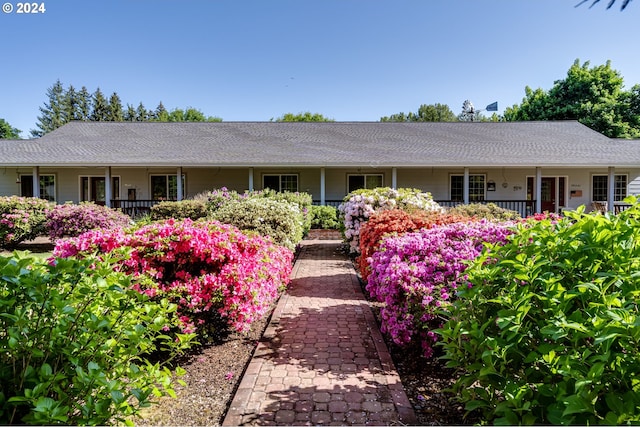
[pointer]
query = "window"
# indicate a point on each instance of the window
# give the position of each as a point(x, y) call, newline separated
point(280, 182)
point(165, 187)
point(93, 188)
point(47, 187)
point(367, 181)
point(476, 188)
point(600, 184)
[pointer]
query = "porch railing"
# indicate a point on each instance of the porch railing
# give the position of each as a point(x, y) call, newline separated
point(134, 208)
point(523, 207)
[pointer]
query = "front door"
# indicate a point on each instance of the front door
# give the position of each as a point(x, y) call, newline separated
point(548, 194)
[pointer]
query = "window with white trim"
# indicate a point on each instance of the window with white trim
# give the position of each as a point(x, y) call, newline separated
point(600, 185)
point(165, 187)
point(47, 186)
point(93, 188)
point(280, 182)
point(477, 188)
point(364, 181)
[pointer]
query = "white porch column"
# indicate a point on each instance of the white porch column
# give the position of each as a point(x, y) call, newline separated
point(465, 186)
point(179, 189)
point(538, 190)
point(322, 187)
point(611, 189)
point(394, 178)
point(107, 186)
point(250, 179)
point(36, 181)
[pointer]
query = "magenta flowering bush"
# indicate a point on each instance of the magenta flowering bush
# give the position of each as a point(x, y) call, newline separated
point(418, 273)
point(218, 276)
point(72, 220)
point(21, 218)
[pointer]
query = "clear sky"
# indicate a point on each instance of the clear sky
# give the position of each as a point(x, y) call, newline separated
point(350, 60)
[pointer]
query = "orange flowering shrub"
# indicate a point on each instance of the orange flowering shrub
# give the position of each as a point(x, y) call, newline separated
point(397, 221)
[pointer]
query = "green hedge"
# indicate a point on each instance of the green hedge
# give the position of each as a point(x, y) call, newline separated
point(73, 338)
point(548, 330)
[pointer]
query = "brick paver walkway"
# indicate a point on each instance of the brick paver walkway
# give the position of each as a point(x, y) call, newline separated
point(322, 359)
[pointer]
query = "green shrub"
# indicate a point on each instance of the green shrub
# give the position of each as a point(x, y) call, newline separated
point(22, 218)
point(324, 217)
point(73, 338)
point(182, 209)
point(548, 331)
point(280, 220)
point(303, 200)
point(489, 211)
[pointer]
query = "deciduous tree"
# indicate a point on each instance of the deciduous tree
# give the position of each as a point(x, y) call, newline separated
point(426, 113)
point(7, 131)
point(303, 117)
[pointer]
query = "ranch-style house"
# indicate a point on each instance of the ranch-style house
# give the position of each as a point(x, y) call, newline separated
point(526, 166)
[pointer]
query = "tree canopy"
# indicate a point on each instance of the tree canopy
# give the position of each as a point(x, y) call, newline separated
point(303, 117)
point(7, 131)
point(64, 105)
point(592, 95)
point(426, 113)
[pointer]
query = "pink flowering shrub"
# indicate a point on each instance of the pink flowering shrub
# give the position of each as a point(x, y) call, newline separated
point(21, 218)
point(415, 274)
point(358, 206)
point(218, 276)
point(72, 220)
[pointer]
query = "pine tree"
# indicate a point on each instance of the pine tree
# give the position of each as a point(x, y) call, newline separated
point(115, 109)
point(84, 104)
point(7, 131)
point(71, 104)
point(53, 112)
point(130, 114)
point(100, 111)
point(161, 114)
point(142, 115)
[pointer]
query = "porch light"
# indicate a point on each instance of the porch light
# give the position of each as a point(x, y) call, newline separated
point(17, 177)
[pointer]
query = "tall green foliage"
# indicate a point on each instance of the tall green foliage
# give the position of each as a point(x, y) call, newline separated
point(592, 95)
point(7, 131)
point(548, 329)
point(52, 114)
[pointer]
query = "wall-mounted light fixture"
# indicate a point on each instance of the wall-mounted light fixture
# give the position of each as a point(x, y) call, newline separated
point(17, 177)
point(491, 186)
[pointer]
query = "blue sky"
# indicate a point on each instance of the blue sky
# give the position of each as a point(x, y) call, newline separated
point(350, 60)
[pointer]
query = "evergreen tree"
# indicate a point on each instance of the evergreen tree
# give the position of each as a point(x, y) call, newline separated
point(115, 109)
point(142, 115)
point(100, 111)
point(161, 114)
point(71, 104)
point(130, 114)
point(84, 104)
point(53, 112)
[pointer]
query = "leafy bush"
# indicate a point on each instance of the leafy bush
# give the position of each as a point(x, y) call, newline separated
point(325, 217)
point(485, 210)
point(218, 276)
point(359, 205)
point(304, 202)
point(72, 220)
point(278, 219)
point(549, 331)
point(217, 198)
point(416, 274)
point(21, 218)
point(193, 209)
point(395, 221)
point(73, 333)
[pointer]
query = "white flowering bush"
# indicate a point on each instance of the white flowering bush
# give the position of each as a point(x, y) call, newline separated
point(359, 205)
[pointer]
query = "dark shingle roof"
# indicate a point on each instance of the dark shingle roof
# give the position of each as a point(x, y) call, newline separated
point(564, 143)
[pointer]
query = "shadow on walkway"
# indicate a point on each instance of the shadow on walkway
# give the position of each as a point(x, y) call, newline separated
point(322, 359)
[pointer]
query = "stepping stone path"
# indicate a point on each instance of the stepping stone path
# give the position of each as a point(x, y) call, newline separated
point(322, 360)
